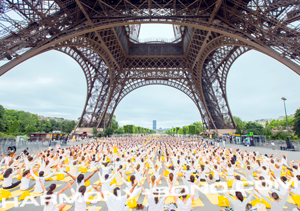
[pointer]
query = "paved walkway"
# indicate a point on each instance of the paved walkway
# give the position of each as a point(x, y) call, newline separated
point(207, 202)
point(292, 155)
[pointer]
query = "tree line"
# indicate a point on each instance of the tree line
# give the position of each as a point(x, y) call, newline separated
point(136, 129)
point(13, 123)
point(275, 129)
point(194, 129)
point(115, 129)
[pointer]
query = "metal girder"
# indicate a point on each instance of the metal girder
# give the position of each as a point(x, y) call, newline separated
point(179, 80)
point(93, 60)
point(249, 20)
point(97, 76)
point(98, 35)
point(213, 56)
point(214, 12)
point(275, 5)
point(155, 63)
point(215, 33)
point(215, 96)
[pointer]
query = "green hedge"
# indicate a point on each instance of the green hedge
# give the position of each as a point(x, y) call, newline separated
point(192, 129)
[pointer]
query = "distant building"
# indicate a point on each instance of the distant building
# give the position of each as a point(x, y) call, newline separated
point(262, 121)
point(42, 117)
point(154, 124)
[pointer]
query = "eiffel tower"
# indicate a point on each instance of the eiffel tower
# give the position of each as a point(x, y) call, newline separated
point(102, 36)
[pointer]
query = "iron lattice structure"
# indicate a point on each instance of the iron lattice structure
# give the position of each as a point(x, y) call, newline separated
point(102, 36)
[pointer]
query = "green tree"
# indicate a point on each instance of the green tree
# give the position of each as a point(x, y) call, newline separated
point(239, 123)
point(25, 119)
point(199, 127)
point(63, 128)
point(130, 129)
point(192, 129)
point(125, 128)
point(180, 131)
point(238, 129)
point(2, 121)
point(119, 131)
point(297, 122)
point(185, 130)
point(30, 129)
point(136, 130)
point(279, 136)
point(95, 131)
point(14, 128)
point(267, 131)
point(108, 131)
point(277, 123)
point(114, 123)
point(54, 124)
point(69, 126)
point(46, 126)
point(254, 127)
point(18, 122)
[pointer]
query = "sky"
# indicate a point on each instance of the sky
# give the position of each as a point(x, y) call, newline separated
point(53, 84)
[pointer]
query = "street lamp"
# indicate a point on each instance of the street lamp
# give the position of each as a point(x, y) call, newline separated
point(289, 145)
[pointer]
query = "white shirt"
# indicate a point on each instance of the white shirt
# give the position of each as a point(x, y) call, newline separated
point(216, 174)
point(6, 160)
point(105, 170)
point(8, 181)
point(184, 207)
point(237, 204)
point(106, 183)
point(80, 203)
point(51, 204)
point(115, 203)
point(74, 169)
point(188, 173)
point(276, 206)
point(230, 171)
point(38, 188)
point(156, 207)
point(263, 190)
point(24, 183)
point(78, 185)
point(29, 165)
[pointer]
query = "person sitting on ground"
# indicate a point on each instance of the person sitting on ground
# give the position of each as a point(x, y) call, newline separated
point(276, 205)
point(240, 203)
